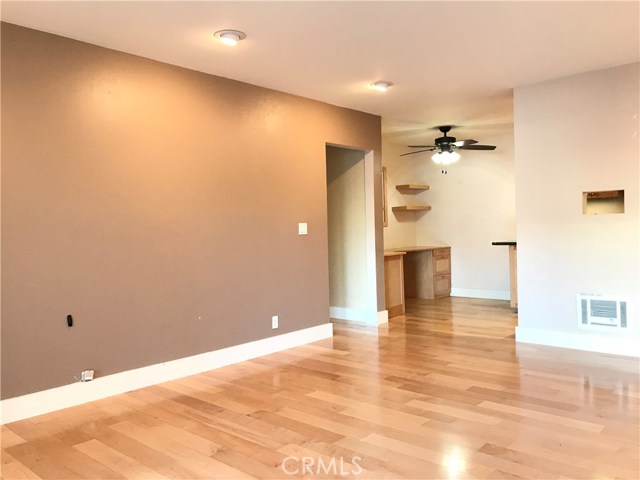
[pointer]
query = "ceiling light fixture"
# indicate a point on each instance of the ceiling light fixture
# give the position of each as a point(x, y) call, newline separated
point(445, 158)
point(381, 85)
point(230, 37)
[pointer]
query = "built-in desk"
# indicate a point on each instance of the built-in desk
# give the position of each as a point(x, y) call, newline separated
point(426, 272)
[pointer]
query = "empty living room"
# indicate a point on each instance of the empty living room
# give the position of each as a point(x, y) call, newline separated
point(347, 239)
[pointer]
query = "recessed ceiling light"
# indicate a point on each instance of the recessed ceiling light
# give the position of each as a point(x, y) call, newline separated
point(381, 85)
point(230, 37)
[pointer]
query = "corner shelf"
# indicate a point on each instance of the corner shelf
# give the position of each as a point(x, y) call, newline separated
point(411, 208)
point(412, 187)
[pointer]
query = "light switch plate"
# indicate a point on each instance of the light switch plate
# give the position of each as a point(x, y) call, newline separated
point(302, 229)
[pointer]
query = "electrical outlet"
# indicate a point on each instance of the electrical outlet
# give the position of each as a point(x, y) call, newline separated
point(274, 322)
point(86, 375)
point(302, 229)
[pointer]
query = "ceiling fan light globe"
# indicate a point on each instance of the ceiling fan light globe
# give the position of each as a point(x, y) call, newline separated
point(445, 158)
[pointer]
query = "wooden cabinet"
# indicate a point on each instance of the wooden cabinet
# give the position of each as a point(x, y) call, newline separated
point(441, 286)
point(394, 283)
point(427, 272)
point(441, 261)
point(441, 272)
point(415, 272)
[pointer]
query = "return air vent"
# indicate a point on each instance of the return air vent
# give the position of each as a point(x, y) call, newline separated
point(601, 312)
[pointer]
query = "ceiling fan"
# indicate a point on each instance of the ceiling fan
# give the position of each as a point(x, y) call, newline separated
point(445, 148)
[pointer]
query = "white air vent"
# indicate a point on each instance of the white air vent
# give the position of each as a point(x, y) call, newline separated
point(601, 312)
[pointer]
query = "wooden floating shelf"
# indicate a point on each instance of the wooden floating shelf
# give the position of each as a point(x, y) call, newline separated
point(606, 194)
point(411, 208)
point(412, 187)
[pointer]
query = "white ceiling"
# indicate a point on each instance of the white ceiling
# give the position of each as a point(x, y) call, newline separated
point(452, 62)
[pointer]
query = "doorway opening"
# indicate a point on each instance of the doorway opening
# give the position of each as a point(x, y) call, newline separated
point(351, 230)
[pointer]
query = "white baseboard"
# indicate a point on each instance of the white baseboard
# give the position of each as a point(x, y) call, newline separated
point(477, 293)
point(359, 315)
point(38, 403)
point(615, 345)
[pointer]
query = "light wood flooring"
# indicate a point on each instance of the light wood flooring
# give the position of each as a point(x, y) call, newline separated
point(443, 392)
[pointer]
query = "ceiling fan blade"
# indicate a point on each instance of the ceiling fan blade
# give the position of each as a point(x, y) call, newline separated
point(421, 146)
point(462, 143)
point(418, 151)
point(478, 147)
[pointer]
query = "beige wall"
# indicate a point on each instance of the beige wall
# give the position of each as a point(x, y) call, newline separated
point(401, 228)
point(473, 205)
point(157, 205)
point(573, 135)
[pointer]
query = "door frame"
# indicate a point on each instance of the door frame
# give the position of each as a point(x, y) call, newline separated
point(370, 315)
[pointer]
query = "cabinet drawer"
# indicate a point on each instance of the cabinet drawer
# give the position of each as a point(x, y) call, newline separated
point(441, 286)
point(441, 264)
point(442, 252)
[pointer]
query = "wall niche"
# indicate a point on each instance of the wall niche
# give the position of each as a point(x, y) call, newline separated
point(603, 202)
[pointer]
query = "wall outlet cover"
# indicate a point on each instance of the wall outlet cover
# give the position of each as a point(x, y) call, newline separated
point(302, 229)
point(274, 322)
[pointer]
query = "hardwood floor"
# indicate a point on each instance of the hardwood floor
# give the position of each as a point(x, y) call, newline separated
point(443, 392)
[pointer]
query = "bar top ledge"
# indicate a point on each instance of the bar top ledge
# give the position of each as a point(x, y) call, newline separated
point(420, 248)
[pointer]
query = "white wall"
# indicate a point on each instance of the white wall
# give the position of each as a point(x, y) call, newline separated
point(573, 135)
point(346, 205)
point(472, 206)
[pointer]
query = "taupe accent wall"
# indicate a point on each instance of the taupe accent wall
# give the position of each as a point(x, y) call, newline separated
point(158, 206)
